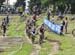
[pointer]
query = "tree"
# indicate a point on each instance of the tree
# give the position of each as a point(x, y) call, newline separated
point(1, 2)
point(34, 5)
point(46, 3)
point(72, 6)
point(21, 3)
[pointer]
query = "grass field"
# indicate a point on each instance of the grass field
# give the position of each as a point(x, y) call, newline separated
point(16, 28)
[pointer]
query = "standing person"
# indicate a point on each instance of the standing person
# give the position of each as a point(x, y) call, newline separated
point(41, 34)
point(60, 16)
point(62, 25)
point(20, 10)
point(7, 19)
point(4, 26)
point(48, 15)
point(66, 24)
point(66, 9)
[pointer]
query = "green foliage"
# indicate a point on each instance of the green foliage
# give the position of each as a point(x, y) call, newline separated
point(46, 48)
point(1, 2)
point(20, 3)
point(33, 3)
point(46, 3)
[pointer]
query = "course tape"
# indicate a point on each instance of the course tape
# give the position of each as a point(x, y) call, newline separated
point(54, 27)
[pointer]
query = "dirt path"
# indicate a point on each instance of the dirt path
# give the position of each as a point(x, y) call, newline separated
point(7, 43)
point(55, 48)
point(13, 52)
point(36, 48)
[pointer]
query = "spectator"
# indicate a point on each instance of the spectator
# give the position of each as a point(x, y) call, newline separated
point(62, 26)
point(60, 16)
point(7, 19)
point(48, 15)
point(4, 26)
point(66, 24)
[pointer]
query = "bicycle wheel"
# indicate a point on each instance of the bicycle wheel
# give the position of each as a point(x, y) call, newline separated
point(73, 32)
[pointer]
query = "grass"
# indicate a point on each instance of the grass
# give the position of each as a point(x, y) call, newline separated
point(26, 49)
point(7, 51)
point(16, 29)
point(46, 48)
point(66, 40)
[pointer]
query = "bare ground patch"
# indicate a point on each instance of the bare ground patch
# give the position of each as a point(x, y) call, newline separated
point(9, 43)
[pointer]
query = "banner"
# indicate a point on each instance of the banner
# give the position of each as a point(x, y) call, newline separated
point(54, 27)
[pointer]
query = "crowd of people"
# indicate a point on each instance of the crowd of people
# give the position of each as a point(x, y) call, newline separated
point(32, 29)
point(5, 10)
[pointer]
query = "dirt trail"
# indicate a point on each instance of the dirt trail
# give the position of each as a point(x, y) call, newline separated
point(9, 42)
point(55, 48)
point(36, 49)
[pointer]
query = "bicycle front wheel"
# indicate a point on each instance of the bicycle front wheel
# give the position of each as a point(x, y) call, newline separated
point(73, 32)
